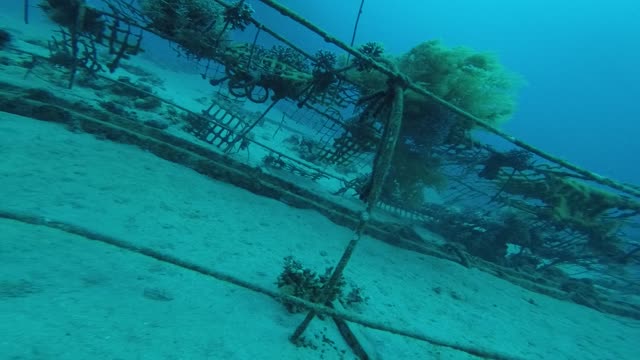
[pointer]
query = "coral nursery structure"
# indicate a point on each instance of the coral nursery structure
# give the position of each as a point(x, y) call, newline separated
point(394, 136)
point(447, 94)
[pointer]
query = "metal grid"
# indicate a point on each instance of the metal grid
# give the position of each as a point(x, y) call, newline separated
point(555, 213)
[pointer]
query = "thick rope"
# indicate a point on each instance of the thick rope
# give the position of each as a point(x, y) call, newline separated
point(185, 264)
point(391, 73)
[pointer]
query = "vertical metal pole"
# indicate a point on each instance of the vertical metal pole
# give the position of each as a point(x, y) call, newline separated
point(26, 11)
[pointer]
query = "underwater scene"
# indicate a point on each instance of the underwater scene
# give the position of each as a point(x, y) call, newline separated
point(216, 179)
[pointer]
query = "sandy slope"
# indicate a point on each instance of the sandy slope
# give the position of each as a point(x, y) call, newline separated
point(66, 297)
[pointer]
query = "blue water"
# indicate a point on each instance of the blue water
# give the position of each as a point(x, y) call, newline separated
point(579, 58)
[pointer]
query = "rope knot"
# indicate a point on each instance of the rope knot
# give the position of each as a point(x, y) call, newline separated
point(400, 80)
point(403, 81)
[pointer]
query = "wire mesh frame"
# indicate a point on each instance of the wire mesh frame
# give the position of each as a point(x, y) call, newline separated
point(329, 131)
point(218, 127)
point(325, 128)
point(348, 150)
point(224, 125)
point(561, 243)
point(345, 151)
point(76, 49)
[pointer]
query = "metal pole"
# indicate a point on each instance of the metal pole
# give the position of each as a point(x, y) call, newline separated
point(381, 166)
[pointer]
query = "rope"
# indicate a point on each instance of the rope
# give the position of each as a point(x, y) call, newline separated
point(391, 73)
point(355, 27)
point(185, 264)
